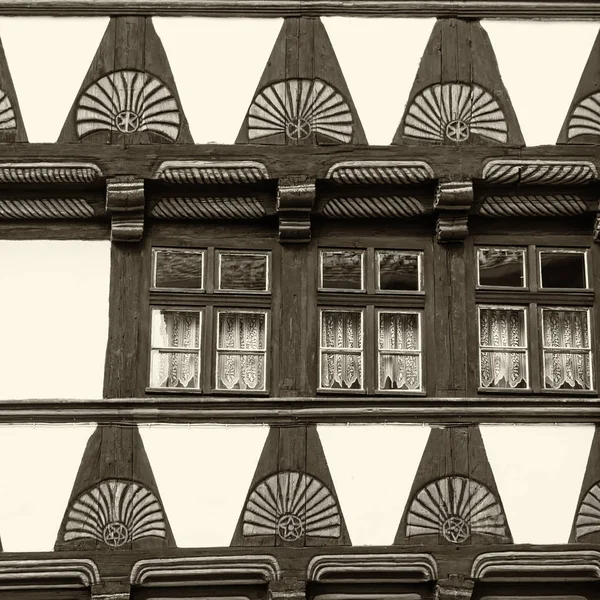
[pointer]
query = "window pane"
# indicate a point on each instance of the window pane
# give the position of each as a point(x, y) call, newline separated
point(175, 369)
point(563, 270)
point(175, 329)
point(243, 272)
point(341, 270)
point(399, 372)
point(399, 271)
point(341, 370)
point(399, 331)
point(566, 329)
point(341, 330)
point(240, 371)
point(241, 331)
point(177, 269)
point(501, 267)
point(502, 328)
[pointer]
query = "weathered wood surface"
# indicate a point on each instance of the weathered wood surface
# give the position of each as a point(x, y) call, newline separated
point(132, 64)
point(454, 498)
point(301, 78)
point(458, 96)
point(292, 458)
point(114, 486)
point(504, 9)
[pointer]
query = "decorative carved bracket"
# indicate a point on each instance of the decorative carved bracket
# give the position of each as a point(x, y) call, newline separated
point(455, 587)
point(453, 201)
point(295, 198)
point(125, 204)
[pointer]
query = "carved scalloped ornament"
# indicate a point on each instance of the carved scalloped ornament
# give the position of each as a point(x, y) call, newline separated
point(456, 508)
point(211, 172)
point(47, 172)
point(587, 520)
point(585, 117)
point(396, 172)
point(299, 108)
point(115, 512)
point(539, 172)
point(554, 205)
point(453, 112)
point(292, 505)
point(7, 114)
point(126, 102)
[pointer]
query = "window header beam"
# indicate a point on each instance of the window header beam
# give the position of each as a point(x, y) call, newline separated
point(505, 9)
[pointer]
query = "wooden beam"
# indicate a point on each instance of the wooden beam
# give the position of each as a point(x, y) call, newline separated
point(303, 410)
point(504, 9)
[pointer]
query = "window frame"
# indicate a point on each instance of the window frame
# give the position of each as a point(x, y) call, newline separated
point(210, 301)
point(373, 300)
point(534, 298)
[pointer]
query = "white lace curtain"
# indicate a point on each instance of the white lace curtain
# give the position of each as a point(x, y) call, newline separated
point(399, 370)
point(241, 355)
point(502, 328)
point(176, 329)
point(341, 354)
point(566, 330)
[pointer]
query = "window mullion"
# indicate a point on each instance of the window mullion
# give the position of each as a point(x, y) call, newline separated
point(535, 342)
point(370, 349)
point(208, 350)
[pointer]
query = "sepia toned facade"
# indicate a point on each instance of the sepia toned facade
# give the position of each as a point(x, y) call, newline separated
point(302, 277)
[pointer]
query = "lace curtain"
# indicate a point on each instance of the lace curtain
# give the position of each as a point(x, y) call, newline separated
point(341, 332)
point(175, 329)
point(566, 330)
point(401, 369)
point(502, 328)
point(243, 367)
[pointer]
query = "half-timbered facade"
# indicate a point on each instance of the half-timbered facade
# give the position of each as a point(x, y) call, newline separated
point(302, 277)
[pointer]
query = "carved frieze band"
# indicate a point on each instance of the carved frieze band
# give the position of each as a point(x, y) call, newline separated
point(209, 208)
point(45, 172)
point(295, 198)
point(52, 208)
point(221, 568)
point(212, 172)
point(453, 201)
point(374, 207)
point(533, 206)
point(336, 567)
point(396, 172)
point(62, 571)
point(539, 172)
point(551, 564)
point(125, 202)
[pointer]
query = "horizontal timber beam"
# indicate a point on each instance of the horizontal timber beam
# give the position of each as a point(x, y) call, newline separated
point(506, 9)
point(182, 409)
point(315, 162)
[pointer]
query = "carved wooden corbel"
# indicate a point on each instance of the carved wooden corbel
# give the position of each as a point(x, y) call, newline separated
point(455, 587)
point(125, 204)
point(453, 201)
point(295, 199)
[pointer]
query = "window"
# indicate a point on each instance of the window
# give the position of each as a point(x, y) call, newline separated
point(210, 313)
point(534, 316)
point(370, 305)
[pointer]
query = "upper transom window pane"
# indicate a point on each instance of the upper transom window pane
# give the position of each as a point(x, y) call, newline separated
point(342, 270)
point(501, 267)
point(178, 269)
point(564, 269)
point(244, 271)
point(399, 271)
